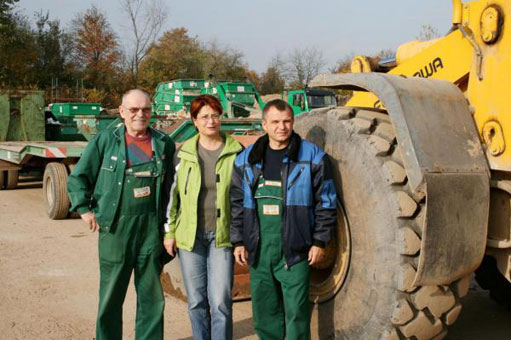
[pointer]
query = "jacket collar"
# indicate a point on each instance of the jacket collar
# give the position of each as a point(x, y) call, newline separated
point(120, 129)
point(257, 153)
point(189, 150)
point(157, 136)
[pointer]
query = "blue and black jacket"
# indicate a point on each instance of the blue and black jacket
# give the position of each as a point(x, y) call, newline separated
point(310, 200)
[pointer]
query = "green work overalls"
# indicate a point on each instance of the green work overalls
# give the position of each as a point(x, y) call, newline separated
point(280, 301)
point(133, 243)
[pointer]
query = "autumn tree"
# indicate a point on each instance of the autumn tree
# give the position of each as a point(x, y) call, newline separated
point(271, 81)
point(146, 18)
point(175, 55)
point(254, 78)
point(96, 49)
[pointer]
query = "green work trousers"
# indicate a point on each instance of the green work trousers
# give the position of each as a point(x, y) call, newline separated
point(280, 295)
point(133, 244)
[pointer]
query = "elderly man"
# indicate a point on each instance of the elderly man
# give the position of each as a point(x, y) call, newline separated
point(283, 205)
point(118, 187)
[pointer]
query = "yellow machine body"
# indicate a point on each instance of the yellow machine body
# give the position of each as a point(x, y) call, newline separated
point(477, 58)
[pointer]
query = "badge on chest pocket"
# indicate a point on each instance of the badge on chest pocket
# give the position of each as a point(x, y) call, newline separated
point(142, 192)
point(270, 209)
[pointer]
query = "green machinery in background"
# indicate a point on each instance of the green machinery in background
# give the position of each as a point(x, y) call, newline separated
point(307, 99)
point(238, 99)
point(176, 95)
point(20, 116)
point(61, 118)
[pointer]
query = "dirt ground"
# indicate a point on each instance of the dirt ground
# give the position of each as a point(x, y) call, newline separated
point(49, 272)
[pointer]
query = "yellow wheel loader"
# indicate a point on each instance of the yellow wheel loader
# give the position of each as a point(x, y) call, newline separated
point(422, 164)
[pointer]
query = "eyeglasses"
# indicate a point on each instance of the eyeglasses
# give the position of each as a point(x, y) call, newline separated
point(205, 119)
point(134, 110)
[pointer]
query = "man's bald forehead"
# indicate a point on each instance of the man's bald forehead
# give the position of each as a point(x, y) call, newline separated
point(134, 92)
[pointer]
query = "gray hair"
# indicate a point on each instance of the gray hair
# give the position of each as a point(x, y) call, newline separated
point(133, 91)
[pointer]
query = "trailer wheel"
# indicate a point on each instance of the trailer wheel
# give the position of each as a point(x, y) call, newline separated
point(11, 182)
point(371, 279)
point(2, 179)
point(489, 277)
point(55, 191)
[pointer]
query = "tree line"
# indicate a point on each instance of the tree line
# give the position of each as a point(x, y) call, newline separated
point(87, 61)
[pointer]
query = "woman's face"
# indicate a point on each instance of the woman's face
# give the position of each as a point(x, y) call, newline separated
point(207, 121)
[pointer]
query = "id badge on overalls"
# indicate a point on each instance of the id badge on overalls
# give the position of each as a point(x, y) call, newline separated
point(270, 209)
point(142, 192)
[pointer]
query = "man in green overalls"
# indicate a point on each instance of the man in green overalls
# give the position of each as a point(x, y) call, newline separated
point(119, 188)
point(283, 205)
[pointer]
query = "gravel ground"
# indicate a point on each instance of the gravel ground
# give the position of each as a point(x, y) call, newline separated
point(50, 283)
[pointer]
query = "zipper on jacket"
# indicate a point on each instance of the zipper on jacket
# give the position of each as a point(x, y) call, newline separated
point(187, 178)
point(296, 178)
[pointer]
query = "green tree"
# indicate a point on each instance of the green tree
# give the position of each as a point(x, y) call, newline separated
point(17, 48)
point(54, 48)
point(6, 13)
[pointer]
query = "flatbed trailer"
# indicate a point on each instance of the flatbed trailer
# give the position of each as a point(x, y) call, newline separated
point(54, 160)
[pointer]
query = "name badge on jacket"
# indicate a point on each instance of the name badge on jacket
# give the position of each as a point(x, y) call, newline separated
point(142, 192)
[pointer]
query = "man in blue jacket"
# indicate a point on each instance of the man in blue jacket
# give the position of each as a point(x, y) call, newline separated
point(283, 205)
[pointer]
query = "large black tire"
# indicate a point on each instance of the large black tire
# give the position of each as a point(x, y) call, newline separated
point(376, 299)
point(55, 191)
point(490, 278)
point(11, 182)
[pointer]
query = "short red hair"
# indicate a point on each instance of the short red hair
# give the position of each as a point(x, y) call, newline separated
point(204, 100)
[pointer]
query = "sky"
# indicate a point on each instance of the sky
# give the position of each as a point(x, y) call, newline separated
point(261, 29)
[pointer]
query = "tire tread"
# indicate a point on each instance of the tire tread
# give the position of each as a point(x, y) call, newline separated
point(438, 306)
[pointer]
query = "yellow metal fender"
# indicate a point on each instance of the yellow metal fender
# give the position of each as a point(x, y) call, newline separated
point(444, 161)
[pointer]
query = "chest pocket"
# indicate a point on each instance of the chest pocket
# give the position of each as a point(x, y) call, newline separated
point(109, 164)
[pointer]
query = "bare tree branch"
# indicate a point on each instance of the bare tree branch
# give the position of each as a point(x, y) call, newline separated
point(146, 19)
point(301, 65)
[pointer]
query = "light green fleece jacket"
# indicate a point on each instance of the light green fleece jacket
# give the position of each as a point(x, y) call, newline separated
point(184, 194)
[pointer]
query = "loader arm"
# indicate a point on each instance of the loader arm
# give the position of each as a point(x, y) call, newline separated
point(476, 57)
point(448, 59)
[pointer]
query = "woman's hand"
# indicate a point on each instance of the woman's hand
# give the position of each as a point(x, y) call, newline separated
point(241, 255)
point(170, 246)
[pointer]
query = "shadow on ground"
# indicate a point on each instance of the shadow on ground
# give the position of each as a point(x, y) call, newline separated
point(242, 329)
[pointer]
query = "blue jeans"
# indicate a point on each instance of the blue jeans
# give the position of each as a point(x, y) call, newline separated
point(208, 277)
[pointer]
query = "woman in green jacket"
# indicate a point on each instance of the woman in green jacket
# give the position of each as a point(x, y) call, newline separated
point(199, 218)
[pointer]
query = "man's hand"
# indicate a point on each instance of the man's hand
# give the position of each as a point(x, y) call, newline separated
point(241, 255)
point(90, 219)
point(170, 246)
point(316, 255)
